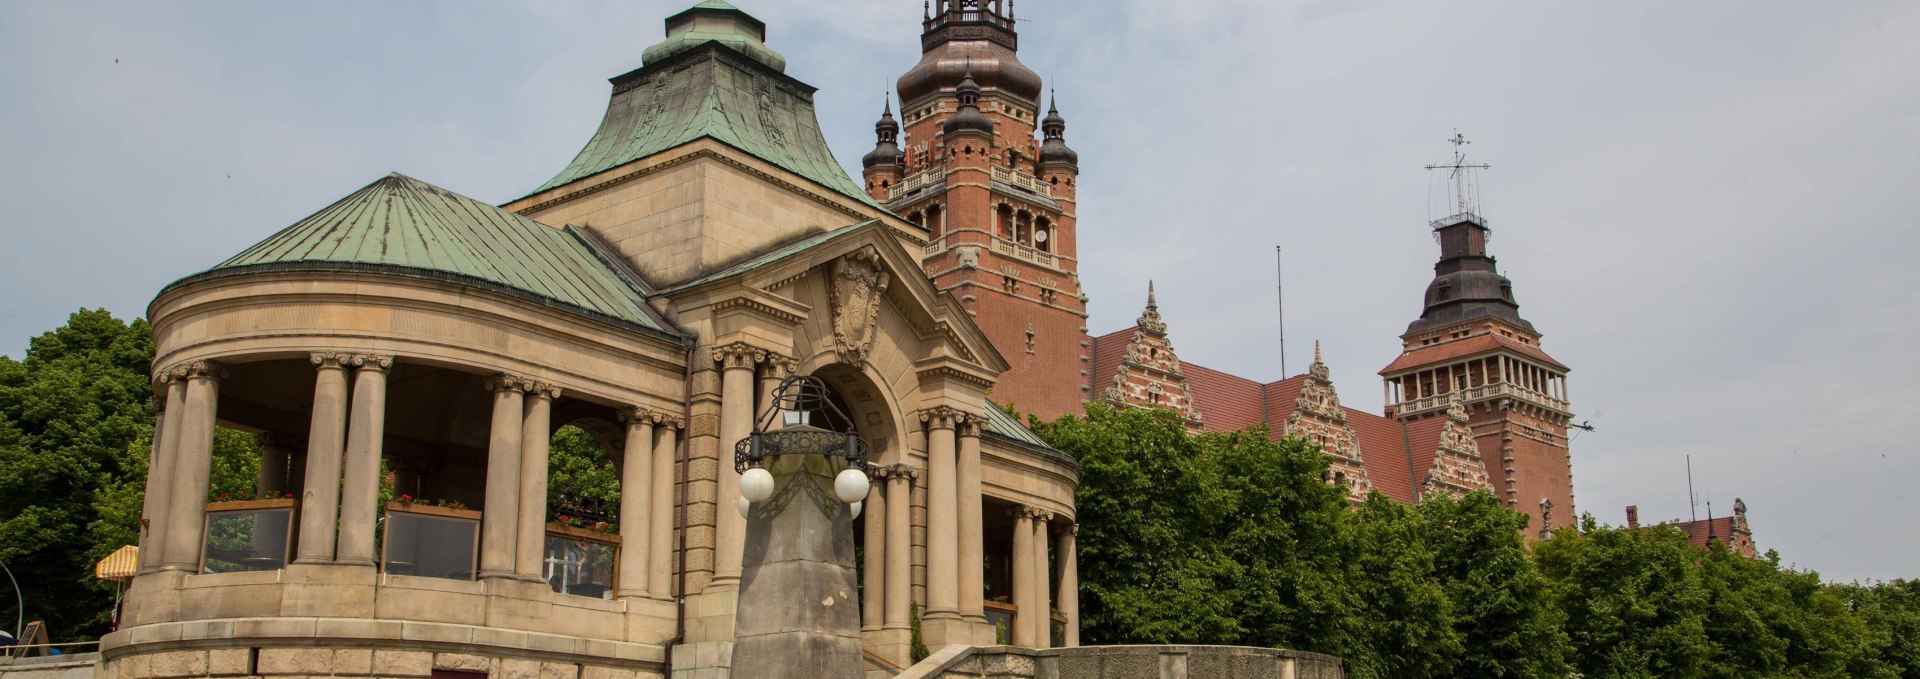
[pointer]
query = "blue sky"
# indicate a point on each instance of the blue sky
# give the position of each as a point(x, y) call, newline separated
point(1708, 207)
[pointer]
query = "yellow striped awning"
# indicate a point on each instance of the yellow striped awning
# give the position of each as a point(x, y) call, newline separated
point(120, 565)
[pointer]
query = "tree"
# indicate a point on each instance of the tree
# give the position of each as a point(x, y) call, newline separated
point(1633, 599)
point(1502, 608)
point(76, 428)
point(580, 474)
point(1150, 573)
point(1890, 611)
point(1407, 614)
point(1768, 621)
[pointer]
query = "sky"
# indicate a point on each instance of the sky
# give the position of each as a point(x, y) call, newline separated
point(1708, 207)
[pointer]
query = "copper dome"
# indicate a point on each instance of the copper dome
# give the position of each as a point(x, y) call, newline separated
point(994, 67)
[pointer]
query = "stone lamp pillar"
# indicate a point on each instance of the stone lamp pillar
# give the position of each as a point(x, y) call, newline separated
point(799, 613)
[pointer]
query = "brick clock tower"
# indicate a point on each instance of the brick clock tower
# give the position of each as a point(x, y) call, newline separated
point(1470, 343)
point(998, 204)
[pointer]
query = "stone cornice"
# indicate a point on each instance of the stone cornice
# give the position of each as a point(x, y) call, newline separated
point(605, 181)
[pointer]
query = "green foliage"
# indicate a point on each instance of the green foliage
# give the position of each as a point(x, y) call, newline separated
point(916, 646)
point(76, 429)
point(580, 473)
point(1891, 613)
point(1502, 608)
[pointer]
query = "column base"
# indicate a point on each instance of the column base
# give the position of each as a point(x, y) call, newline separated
point(355, 561)
point(893, 643)
point(940, 628)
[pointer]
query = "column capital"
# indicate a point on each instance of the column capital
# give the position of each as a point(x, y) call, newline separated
point(1031, 512)
point(897, 471)
point(542, 390)
point(638, 415)
point(738, 356)
point(970, 427)
point(329, 360)
point(945, 417)
point(212, 370)
point(780, 367)
point(375, 362)
point(506, 382)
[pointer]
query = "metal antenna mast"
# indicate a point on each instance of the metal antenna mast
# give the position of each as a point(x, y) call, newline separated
point(1693, 505)
point(1279, 273)
point(1457, 172)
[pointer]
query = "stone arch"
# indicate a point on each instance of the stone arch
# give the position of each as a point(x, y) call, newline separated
point(868, 400)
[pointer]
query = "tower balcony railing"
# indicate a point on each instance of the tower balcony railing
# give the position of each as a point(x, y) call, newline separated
point(1435, 402)
point(1026, 252)
point(1023, 181)
point(913, 183)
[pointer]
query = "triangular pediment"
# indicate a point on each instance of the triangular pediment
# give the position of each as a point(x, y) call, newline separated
point(868, 249)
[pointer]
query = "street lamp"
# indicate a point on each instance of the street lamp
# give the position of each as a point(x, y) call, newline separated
point(794, 402)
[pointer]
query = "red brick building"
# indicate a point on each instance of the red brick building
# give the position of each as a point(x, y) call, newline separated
point(1472, 401)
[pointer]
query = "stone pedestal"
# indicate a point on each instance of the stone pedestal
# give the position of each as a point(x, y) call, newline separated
point(799, 614)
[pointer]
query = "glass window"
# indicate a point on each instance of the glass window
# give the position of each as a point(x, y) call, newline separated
point(580, 566)
point(246, 536)
point(430, 545)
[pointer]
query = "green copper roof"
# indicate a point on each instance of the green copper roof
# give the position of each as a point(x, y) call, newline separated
point(717, 21)
point(712, 92)
point(405, 226)
point(1005, 426)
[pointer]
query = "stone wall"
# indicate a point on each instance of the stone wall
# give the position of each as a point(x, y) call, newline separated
point(1126, 662)
point(341, 662)
point(75, 666)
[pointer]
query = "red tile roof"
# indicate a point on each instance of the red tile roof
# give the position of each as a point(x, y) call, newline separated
point(1467, 347)
point(1108, 351)
point(1282, 398)
point(1227, 402)
point(1383, 449)
point(1719, 528)
point(1423, 438)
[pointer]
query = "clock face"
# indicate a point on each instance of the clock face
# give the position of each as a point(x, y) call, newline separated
point(1040, 236)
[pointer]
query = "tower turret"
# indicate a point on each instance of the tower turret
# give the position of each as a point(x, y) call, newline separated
point(1053, 147)
point(968, 118)
point(1470, 345)
point(1000, 221)
point(882, 165)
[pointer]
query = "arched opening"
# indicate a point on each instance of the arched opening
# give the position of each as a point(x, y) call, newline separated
point(581, 551)
point(1043, 235)
point(1023, 227)
point(1003, 222)
point(936, 221)
point(869, 415)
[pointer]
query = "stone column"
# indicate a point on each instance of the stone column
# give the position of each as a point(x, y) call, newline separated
point(161, 463)
point(1022, 631)
point(193, 457)
point(899, 575)
point(326, 442)
point(943, 530)
point(1043, 623)
point(499, 519)
point(972, 588)
point(775, 369)
point(360, 492)
point(536, 432)
point(660, 532)
point(636, 500)
point(1069, 567)
point(873, 601)
point(276, 456)
point(736, 422)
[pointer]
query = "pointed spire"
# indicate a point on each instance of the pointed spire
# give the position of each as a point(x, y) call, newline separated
point(1054, 149)
point(1319, 368)
point(1316, 352)
point(1150, 319)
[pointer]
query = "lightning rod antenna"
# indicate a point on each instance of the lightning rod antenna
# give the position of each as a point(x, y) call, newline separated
point(1279, 273)
point(1693, 505)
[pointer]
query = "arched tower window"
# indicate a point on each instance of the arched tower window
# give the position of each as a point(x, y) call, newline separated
point(936, 221)
point(1043, 235)
point(1023, 227)
point(917, 218)
point(1003, 222)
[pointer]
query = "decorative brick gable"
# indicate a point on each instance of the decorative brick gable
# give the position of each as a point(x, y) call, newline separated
point(1149, 373)
point(1318, 417)
point(1457, 467)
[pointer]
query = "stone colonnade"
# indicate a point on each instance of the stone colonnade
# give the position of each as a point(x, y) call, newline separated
point(340, 482)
